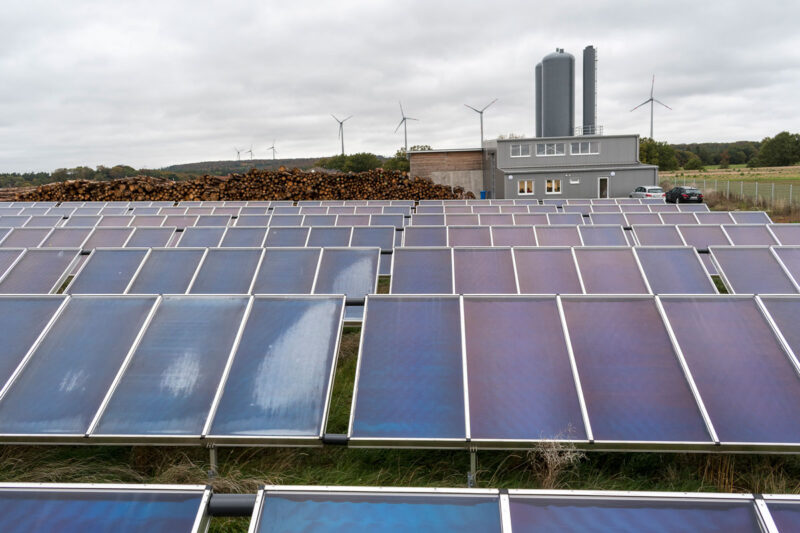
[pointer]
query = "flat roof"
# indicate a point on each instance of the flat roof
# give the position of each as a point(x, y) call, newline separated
point(445, 150)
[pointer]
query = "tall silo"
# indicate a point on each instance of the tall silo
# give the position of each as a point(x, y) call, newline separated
point(538, 100)
point(589, 90)
point(558, 94)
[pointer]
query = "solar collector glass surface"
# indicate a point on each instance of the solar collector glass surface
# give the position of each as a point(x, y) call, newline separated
point(226, 271)
point(243, 237)
point(151, 237)
point(787, 234)
point(370, 236)
point(513, 236)
point(25, 237)
point(603, 235)
point(422, 271)
point(167, 271)
point(62, 385)
point(633, 384)
point(678, 218)
point(202, 237)
point(558, 236)
point(107, 271)
point(287, 271)
point(790, 257)
point(674, 271)
point(575, 514)
point(168, 387)
point(655, 235)
point(279, 380)
point(425, 236)
point(565, 218)
point(750, 234)
point(43, 222)
point(329, 236)
point(38, 271)
point(287, 236)
point(547, 271)
point(752, 270)
point(520, 379)
point(22, 319)
point(7, 258)
point(342, 513)
point(484, 271)
point(66, 238)
point(786, 314)
point(750, 217)
point(349, 271)
point(610, 271)
point(785, 515)
point(98, 509)
point(748, 385)
point(108, 238)
point(714, 218)
point(410, 385)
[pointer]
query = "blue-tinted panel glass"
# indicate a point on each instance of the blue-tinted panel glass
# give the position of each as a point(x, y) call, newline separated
point(752, 271)
point(278, 383)
point(422, 271)
point(213, 220)
point(674, 271)
point(520, 379)
point(785, 515)
point(382, 237)
point(74, 511)
point(329, 236)
point(289, 271)
point(678, 218)
point(319, 220)
point(513, 236)
point(748, 386)
point(427, 220)
point(107, 238)
point(786, 314)
point(7, 258)
point(469, 236)
point(286, 220)
point(750, 235)
point(170, 383)
point(547, 271)
point(201, 237)
point(167, 272)
point(150, 237)
point(790, 257)
point(64, 382)
point(788, 234)
point(565, 218)
point(37, 272)
point(631, 378)
point(652, 235)
point(83, 221)
point(642, 218)
point(244, 237)
point(568, 515)
point(21, 321)
point(425, 236)
point(66, 237)
point(750, 217)
point(713, 218)
point(616, 219)
point(226, 271)
point(609, 271)
point(253, 220)
point(352, 272)
point(42, 221)
point(287, 236)
point(603, 236)
point(484, 271)
point(410, 386)
point(558, 236)
point(701, 237)
point(107, 272)
point(461, 220)
point(25, 237)
point(397, 513)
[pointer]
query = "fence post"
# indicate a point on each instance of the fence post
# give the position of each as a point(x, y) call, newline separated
point(772, 195)
point(791, 197)
point(728, 191)
point(704, 184)
point(757, 202)
point(741, 190)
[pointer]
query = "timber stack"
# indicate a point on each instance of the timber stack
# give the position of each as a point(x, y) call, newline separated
point(282, 184)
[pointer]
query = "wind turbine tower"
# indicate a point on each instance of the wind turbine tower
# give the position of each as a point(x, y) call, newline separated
point(238, 153)
point(273, 150)
point(341, 128)
point(650, 101)
point(404, 123)
point(480, 112)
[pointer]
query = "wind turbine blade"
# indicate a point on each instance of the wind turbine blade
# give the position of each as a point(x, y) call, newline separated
point(402, 113)
point(662, 103)
point(469, 106)
point(334, 118)
point(643, 103)
point(409, 118)
point(348, 118)
point(652, 85)
point(489, 104)
point(401, 123)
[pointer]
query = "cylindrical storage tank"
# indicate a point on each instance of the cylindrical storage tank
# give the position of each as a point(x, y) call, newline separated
point(558, 94)
point(537, 116)
point(589, 90)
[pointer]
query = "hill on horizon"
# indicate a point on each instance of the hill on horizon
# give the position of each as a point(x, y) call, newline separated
point(221, 168)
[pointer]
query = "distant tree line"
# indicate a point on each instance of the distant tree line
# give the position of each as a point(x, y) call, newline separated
point(101, 173)
point(781, 150)
point(364, 161)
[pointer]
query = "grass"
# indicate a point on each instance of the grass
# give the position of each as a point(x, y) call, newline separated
point(720, 284)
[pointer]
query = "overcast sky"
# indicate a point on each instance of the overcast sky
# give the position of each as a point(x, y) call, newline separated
point(150, 84)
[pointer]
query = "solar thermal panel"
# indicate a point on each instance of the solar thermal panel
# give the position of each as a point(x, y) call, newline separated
point(150, 237)
point(38, 271)
point(750, 217)
point(66, 238)
point(674, 270)
point(422, 271)
point(610, 271)
point(287, 236)
point(202, 237)
point(558, 236)
point(749, 234)
point(329, 236)
point(425, 236)
point(108, 238)
point(469, 236)
point(513, 236)
point(25, 237)
point(287, 271)
point(226, 271)
point(592, 235)
point(484, 271)
point(349, 271)
point(243, 237)
point(752, 270)
point(657, 235)
point(107, 271)
point(167, 271)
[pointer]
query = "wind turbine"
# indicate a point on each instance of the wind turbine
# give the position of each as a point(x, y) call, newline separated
point(238, 154)
point(341, 128)
point(480, 112)
point(273, 150)
point(650, 101)
point(404, 123)
point(250, 151)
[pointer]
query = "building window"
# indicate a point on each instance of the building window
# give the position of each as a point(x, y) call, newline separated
point(524, 187)
point(584, 148)
point(553, 187)
point(520, 150)
point(547, 149)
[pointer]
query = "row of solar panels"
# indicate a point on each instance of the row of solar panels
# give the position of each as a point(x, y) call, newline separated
point(349, 271)
point(647, 373)
point(603, 372)
point(66, 212)
point(291, 509)
point(576, 208)
point(622, 219)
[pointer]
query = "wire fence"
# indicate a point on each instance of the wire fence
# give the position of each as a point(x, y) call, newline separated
point(760, 193)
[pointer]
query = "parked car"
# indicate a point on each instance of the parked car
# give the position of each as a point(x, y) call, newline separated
point(684, 194)
point(647, 192)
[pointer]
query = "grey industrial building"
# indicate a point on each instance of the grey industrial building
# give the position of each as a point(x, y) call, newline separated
point(562, 161)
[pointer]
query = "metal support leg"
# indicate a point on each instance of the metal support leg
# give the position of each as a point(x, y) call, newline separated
point(212, 460)
point(472, 476)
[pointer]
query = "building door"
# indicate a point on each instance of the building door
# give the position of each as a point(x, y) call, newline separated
point(602, 187)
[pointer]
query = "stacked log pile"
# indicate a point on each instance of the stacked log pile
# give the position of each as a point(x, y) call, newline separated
point(282, 184)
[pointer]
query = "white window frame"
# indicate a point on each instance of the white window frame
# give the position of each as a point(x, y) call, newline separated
point(533, 187)
point(580, 151)
point(520, 145)
point(551, 149)
point(547, 185)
